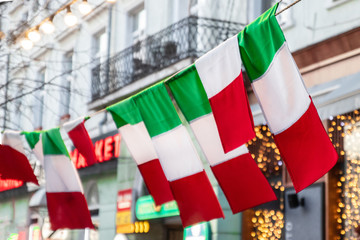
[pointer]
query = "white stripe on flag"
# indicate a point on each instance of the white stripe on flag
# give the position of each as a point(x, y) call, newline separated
point(139, 143)
point(177, 154)
point(61, 175)
point(70, 125)
point(13, 139)
point(219, 67)
point(281, 92)
point(206, 132)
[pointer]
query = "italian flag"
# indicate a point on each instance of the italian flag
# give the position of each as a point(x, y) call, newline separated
point(64, 193)
point(13, 162)
point(35, 143)
point(80, 137)
point(220, 74)
point(183, 168)
point(132, 129)
point(236, 171)
point(289, 111)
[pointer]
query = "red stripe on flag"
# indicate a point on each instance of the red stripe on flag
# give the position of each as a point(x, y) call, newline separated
point(68, 210)
point(15, 165)
point(81, 139)
point(232, 115)
point(196, 199)
point(156, 182)
point(306, 149)
point(243, 183)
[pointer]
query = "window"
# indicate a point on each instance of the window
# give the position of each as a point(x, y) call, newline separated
point(66, 84)
point(39, 100)
point(138, 23)
point(194, 7)
point(285, 19)
point(100, 46)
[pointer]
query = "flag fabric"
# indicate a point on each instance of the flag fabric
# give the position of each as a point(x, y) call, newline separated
point(80, 137)
point(35, 143)
point(288, 109)
point(183, 168)
point(66, 202)
point(132, 129)
point(236, 171)
point(13, 162)
point(220, 74)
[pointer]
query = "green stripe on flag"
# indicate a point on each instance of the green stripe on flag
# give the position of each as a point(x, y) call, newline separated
point(53, 144)
point(125, 112)
point(259, 42)
point(189, 93)
point(32, 138)
point(157, 110)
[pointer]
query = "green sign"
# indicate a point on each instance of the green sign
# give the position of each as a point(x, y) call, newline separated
point(13, 236)
point(146, 209)
point(199, 231)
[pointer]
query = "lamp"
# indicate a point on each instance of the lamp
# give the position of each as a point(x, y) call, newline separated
point(48, 27)
point(26, 43)
point(34, 35)
point(85, 7)
point(70, 19)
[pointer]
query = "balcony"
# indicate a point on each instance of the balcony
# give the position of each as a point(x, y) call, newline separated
point(188, 38)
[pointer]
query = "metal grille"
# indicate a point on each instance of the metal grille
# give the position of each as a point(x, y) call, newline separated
point(189, 38)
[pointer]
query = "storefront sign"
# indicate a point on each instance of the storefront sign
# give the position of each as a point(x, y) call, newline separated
point(106, 149)
point(199, 231)
point(123, 213)
point(146, 209)
point(9, 184)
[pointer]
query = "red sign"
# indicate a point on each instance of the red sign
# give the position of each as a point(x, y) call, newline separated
point(124, 200)
point(123, 213)
point(105, 150)
point(9, 184)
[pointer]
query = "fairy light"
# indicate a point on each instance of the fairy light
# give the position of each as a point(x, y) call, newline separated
point(344, 132)
point(26, 43)
point(70, 19)
point(85, 7)
point(47, 26)
point(34, 35)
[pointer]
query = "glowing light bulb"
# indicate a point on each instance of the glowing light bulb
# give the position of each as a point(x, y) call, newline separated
point(85, 7)
point(70, 19)
point(47, 27)
point(26, 43)
point(34, 35)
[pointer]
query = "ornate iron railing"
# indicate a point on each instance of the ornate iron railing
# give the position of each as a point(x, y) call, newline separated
point(188, 38)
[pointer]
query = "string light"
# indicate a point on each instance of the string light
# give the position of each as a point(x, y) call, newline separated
point(70, 19)
point(111, 1)
point(34, 35)
point(47, 27)
point(26, 43)
point(344, 132)
point(85, 7)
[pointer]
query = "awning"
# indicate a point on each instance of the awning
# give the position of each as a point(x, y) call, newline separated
point(332, 98)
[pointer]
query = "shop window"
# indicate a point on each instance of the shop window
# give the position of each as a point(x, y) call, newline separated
point(344, 132)
point(267, 220)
